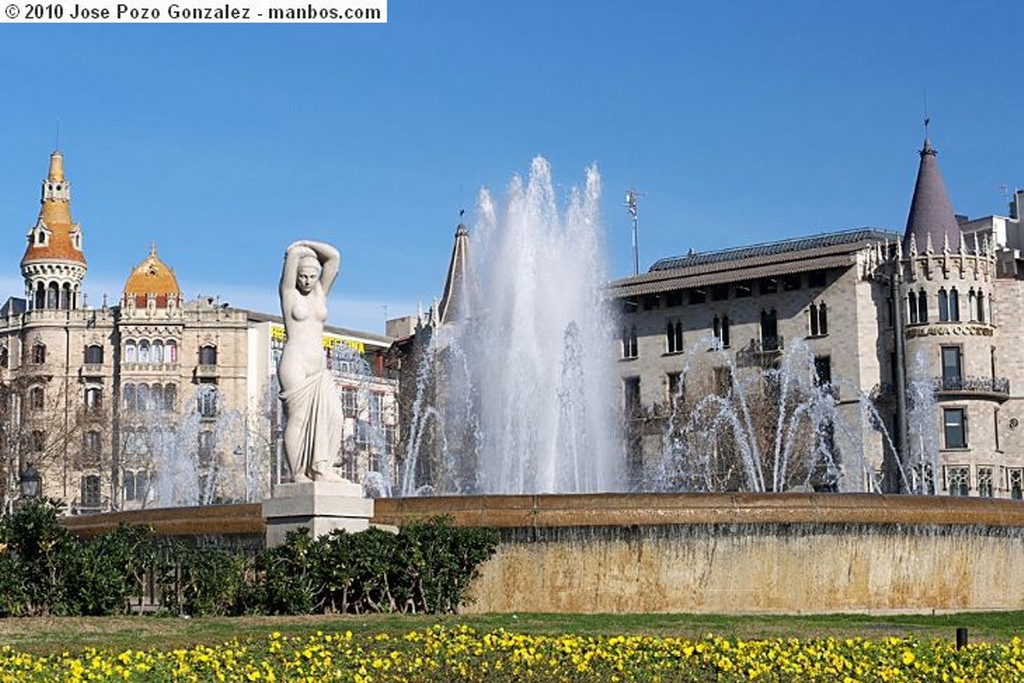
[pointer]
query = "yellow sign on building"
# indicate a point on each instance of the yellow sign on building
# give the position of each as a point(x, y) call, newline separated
point(330, 341)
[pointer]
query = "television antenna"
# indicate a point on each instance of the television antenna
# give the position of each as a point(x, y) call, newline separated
point(631, 206)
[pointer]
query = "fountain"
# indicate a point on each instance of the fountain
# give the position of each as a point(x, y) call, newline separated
point(517, 398)
point(527, 401)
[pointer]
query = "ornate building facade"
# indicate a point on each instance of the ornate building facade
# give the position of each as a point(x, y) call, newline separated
point(910, 342)
point(155, 400)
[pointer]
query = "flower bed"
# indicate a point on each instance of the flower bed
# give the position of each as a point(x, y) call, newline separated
point(461, 654)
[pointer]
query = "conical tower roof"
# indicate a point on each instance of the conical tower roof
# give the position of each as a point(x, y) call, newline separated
point(59, 238)
point(931, 214)
point(152, 276)
point(457, 301)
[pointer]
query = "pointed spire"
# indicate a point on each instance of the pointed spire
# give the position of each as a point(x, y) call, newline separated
point(457, 302)
point(56, 167)
point(931, 214)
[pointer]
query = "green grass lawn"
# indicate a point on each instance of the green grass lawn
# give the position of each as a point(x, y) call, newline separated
point(56, 634)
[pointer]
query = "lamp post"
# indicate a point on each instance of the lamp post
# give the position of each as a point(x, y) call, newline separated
point(242, 453)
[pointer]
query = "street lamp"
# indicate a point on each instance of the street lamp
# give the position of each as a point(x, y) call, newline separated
point(241, 453)
point(30, 482)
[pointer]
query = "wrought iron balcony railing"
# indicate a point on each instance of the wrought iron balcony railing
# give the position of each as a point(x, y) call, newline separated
point(986, 385)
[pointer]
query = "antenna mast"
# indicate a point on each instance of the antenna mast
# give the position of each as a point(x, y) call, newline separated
point(631, 197)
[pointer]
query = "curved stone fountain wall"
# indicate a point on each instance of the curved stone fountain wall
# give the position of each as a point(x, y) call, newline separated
point(720, 553)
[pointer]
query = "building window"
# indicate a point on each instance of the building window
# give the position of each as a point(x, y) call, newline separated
point(349, 401)
point(93, 399)
point(791, 282)
point(1015, 482)
point(817, 278)
point(131, 354)
point(943, 306)
point(650, 302)
point(629, 342)
point(629, 306)
point(770, 340)
point(157, 352)
point(207, 444)
point(94, 354)
point(37, 440)
point(952, 379)
point(170, 397)
point(171, 352)
point(4, 359)
point(376, 409)
point(631, 396)
point(985, 488)
point(136, 485)
point(676, 389)
point(144, 351)
point(91, 446)
point(719, 292)
point(722, 380)
point(698, 296)
point(674, 298)
point(958, 480)
point(954, 424)
point(922, 307)
point(995, 429)
point(822, 371)
point(768, 285)
point(819, 320)
point(208, 355)
point(954, 305)
point(36, 398)
point(674, 336)
point(720, 328)
point(38, 354)
point(207, 401)
point(90, 495)
point(744, 289)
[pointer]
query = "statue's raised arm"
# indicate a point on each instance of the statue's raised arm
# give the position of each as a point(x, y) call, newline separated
point(313, 412)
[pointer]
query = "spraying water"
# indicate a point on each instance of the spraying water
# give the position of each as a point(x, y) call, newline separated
point(527, 402)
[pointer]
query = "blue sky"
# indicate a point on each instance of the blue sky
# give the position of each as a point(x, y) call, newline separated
point(740, 121)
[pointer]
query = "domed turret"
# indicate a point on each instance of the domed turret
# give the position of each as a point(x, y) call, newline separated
point(151, 279)
point(53, 265)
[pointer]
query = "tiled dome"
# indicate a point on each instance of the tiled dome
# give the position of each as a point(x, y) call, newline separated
point(152, 276)
point(62, 238)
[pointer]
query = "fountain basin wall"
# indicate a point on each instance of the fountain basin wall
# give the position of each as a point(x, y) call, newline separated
point(735, 553)
point(720, 553)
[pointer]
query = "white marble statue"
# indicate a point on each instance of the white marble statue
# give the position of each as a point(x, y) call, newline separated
point(312, 408)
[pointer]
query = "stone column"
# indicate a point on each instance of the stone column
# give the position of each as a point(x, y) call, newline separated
point(320, 506)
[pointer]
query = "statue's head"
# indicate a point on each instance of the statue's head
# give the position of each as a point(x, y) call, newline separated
point(309, 273)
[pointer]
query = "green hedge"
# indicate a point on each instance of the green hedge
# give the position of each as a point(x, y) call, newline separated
point(425, 567)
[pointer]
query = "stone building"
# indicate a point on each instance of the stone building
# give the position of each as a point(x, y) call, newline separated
point(920, 396)
point(154, 400)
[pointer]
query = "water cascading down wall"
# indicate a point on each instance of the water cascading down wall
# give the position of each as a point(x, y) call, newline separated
point(736, 553)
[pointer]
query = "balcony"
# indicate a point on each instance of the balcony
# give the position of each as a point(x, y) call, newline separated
point(759, 351)
point(206, 372)
point(92, 370)
point(989, 387)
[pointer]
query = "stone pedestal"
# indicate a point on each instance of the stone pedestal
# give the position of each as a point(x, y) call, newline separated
point(320, 506)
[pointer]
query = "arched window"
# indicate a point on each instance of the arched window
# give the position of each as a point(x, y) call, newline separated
point(93, 399)
point(170, 396)
point(4, 360)
point(981, 307)
point(36, 398)
point(770, 331)
point(128, 396)
point(171, 351)
point(954, 305)
point(629, 341)
point(40, 298)
point(157, 352)
point(208, 355)
point(912, 307)
point(819, 320)
point(943, 306)
point(39, 354)
point(143, 351)
point(52, 295)
point(674, 337)
point(142, 393)
point(156, 395)
point(130, 351)
point(922, 307)
point(94, 354)
point(65, 296)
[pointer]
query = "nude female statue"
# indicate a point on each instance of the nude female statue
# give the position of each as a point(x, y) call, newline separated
point(312, 408)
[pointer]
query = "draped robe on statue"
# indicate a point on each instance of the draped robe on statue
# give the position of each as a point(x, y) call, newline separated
point(316, 405)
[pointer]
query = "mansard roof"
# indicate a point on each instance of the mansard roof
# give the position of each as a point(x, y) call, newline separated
point(797, 255)
point(931, 213)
